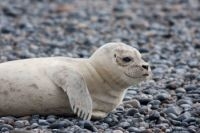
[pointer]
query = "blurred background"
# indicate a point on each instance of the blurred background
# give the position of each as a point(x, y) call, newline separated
point(166, 32)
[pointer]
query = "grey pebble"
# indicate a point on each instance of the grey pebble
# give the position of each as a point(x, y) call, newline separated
point(131, 111)
point(184, 116)
point(51, 119)
point(134, 129)
point(6, 126)
point(88, 125)
point(154, 104)
point(21, 123)
point(117, 131)
point(144, 110)
point(43, 122)
point(124, 124)
point(7, 120)
point(173, 109)
point(186, 107)
point(172, 85)
point(102, 126)
point(190, 88)
point(163, 96)
point(4, 129)
point(172, 115)
point(180, 90)
point(154, 115)
point(134, 103)
point(145, 101)
point(34, 125)
point(7, 30)
point(184, 101)
point(60, 124)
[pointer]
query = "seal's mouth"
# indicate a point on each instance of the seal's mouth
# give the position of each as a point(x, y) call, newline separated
point(143, 76)
point(133, 76)
point(146, 75)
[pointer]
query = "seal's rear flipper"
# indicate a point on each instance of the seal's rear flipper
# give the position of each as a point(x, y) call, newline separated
point(74, 85)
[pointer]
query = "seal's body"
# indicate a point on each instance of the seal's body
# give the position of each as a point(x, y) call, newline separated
point(25, 88)
point(61, 85)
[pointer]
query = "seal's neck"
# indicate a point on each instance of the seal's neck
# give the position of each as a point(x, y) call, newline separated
point(114, 81)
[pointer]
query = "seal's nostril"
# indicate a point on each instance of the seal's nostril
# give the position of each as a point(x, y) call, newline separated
point(145, 67)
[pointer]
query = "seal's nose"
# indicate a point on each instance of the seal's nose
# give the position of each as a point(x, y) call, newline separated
point(146, 67)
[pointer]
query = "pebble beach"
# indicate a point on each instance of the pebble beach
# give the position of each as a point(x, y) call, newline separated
point(167, 33)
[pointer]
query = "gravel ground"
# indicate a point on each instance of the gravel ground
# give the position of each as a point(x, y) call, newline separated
point(166, 32)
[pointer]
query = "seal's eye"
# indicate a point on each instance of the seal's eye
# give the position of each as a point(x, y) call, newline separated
point(127, 59)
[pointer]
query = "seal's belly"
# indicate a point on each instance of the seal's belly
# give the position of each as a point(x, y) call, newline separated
point(26, 91)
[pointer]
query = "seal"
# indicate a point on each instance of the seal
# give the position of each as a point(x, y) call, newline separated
point(65, 86)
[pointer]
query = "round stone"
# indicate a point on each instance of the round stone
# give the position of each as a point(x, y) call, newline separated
point(43, 122)
point(88, 125)
point(131, 111)
point(173, 109)
point(21, 123)
point(124, 125)
point(154, 115)
point(134, 103)
point(117, 131)
point(6, 126)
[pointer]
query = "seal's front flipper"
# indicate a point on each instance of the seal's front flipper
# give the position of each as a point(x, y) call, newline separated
point(74, 85)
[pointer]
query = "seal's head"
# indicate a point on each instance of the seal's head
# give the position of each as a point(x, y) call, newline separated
point(121, 63)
